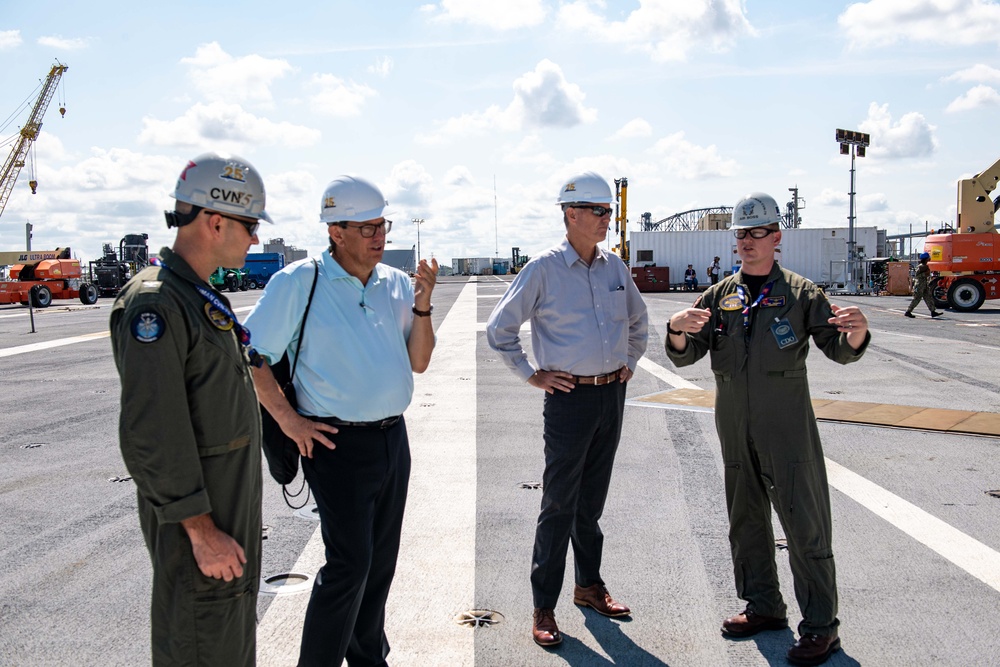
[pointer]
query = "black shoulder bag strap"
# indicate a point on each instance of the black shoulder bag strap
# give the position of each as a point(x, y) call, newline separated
point(305, 316)
point(290, 387)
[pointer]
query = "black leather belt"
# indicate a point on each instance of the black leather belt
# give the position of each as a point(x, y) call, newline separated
point(381, 423)
point(607, 378)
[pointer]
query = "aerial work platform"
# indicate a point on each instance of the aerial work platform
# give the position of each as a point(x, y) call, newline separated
point(854, 412)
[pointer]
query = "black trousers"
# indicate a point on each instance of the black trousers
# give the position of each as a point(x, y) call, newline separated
point(360, 490)
point(581, 432)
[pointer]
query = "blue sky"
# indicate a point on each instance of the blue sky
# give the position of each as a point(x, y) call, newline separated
point(696, 102)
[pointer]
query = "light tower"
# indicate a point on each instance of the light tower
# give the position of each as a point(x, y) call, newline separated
point(852, 143)
point(418, 222)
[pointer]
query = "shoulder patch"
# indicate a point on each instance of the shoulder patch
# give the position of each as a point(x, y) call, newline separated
point(731, 302)
point(148, 326)
point(218, 319)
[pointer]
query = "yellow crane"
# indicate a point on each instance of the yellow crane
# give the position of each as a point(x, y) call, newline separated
point(25, 138)
point(621, 217)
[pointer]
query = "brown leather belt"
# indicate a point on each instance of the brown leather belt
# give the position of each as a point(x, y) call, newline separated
point(608, 378)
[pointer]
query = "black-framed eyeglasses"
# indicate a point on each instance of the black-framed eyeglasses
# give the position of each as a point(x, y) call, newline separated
point(599, 211)
point(754, 232)
point(368, 231)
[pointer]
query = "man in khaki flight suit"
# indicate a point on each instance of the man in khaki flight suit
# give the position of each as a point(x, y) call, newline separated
point(190, 426)
point(756, 326)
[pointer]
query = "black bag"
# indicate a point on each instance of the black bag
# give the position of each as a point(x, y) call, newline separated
point(281, 452)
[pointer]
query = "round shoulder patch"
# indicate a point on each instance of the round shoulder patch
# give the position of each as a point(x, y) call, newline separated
point(218, 319)
point(148, 326)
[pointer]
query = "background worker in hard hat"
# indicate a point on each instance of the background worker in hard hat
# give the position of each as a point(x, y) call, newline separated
point(921, 287)
point(190, 426)
point(756, 326)
point(369, 329)
point(588, 332)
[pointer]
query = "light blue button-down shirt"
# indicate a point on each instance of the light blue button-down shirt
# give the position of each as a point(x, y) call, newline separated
point(585, 320)
point(354, 363)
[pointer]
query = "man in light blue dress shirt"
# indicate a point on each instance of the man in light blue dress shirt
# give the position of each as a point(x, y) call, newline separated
point(367, 332)
point(588, 331)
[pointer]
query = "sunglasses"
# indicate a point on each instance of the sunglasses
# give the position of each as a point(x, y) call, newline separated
point(599, 211)
point(754, 232)
point(251, 227)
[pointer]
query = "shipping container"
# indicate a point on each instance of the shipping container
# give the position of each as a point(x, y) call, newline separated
point(818, 254)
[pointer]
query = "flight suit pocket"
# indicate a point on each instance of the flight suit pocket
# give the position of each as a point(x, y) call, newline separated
point(723, 356)
point(225, 626)
point(805, 487)
point(215, 450)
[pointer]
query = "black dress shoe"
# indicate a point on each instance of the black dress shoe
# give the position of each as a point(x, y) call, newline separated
point(813, 649)
point(936, 314)
point(909, 314)
point(750, 623)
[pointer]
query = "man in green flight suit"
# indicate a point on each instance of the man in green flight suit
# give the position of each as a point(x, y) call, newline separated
point(756, 326)
point(921, 288)
point(190, 425)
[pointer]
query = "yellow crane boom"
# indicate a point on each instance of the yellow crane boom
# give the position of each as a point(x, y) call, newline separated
point(621, 217)
point(28, 134)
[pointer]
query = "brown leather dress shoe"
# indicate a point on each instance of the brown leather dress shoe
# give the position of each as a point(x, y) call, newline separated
point(750, 623)
point(813, 649)
point(544, 630)
point(597, 598)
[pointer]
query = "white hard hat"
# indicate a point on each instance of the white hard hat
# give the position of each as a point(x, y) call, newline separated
point(224, 184)
point(351, 199)
point(756, 210)
point(587, 187)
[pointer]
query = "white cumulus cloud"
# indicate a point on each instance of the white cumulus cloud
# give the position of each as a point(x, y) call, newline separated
point(634, 129)
point(683, 159)
point(977, 97)
point(227, 126)
point(911, 136)
point(542, 98)
point(220, 76)
point(667, 30)
point(950, 22)
point(409, 184)
point(381, 67)
point(336, 97)
point(10, 39)
point(507, 15)
point(62, 43)
point(978, 73)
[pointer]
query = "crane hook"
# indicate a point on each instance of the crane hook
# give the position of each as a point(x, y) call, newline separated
point(62, 111)
point(33, 184)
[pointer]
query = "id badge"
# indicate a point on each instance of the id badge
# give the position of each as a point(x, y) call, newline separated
point(784, 334)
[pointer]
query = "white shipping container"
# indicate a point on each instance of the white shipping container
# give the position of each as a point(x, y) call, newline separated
point(818, 254)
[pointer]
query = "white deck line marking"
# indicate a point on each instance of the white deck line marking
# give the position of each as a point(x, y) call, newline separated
point(971, 555)
point(669, 377)
point(36, 347)
point(432, 583)
point(59, 342)
point(979, 560)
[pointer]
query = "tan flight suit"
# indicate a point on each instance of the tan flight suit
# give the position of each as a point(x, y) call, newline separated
point(190, 437)
point(770, 443)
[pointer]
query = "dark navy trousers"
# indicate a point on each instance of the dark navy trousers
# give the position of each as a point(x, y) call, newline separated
point(360, 490)
point(581, 433)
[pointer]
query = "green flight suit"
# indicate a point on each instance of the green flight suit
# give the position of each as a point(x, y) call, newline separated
point(770, 443)
point(921, 289)
point(190, 437)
